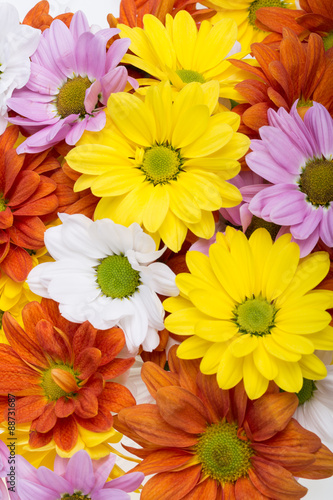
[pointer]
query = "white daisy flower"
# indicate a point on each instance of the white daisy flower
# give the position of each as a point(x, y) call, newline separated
point(315, 410)
point(17, 43)
point(105, 273)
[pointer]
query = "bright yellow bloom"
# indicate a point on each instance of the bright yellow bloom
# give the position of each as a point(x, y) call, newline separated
point(243, 12)
point(163, 163)
point(251, 313)
point(178, 52)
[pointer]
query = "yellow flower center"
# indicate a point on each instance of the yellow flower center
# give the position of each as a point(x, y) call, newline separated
point(328, 40)
point(3, 203)
point(59, 380)
point(161, 163)
point(223, 455)
point(116, 277)
point(257, 4)
point(256, 223)
point(70, 100)
point(78, 495)
point(307, 391)
point(316, 181)
point(255, 316)
point(189, 76)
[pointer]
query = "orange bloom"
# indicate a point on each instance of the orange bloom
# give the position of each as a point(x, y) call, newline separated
point(316, 16)
point(203, 442)
point(38, 17)
point(132, 11)
point(59, 372)
point(298, 71)
point(27, 203)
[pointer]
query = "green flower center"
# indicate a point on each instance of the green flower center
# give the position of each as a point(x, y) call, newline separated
point(161, 163)
point(307, 391)
point(51, 388)
point(223, 455)
point(255, 316)
point(189, 76)
point(257, 4)
point(3, 203)
point(316, 181)
point(256, 223)
point(70, 99)
point(116, 277)
point(78, 495)
point(1, 315)
point(328, 40)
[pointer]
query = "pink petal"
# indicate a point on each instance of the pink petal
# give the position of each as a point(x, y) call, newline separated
point(102, 469)
point(80, 472)
point(133, 82)
point(90, 56)
point(128, 482)
point(265, 165)
point(42, 57)
point(266, 200)
point(76, 131)
point(245, 216)
point(326, 226)
point(320, 124)
point(62, 45)
point(304, 229)
point(37, 111)
point(79, 25)
point(308, 244)
point(116, 52)
point(290, 209)
point(114, 81)
point(248, 192)
point(91, 98)
point(111, 495)
point(96, 122)
point(107, 33)
point(27, 490)
point(281, 148)
point(51, 480)
point(43, 80)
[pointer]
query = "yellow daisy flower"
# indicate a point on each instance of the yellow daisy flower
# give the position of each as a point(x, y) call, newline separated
point(15, 295)
point(163, 163)
point(243, 12)
point(250, 312)
point(182, 54)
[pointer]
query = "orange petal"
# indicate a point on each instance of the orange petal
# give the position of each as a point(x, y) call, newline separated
point(6, 218)
point(163, 460)
point(115, 368)
point(86, 404)
point(95, 384)
point(322, 466)
point(274, 481)
point(87, 362)
point(15, 378)
point(147, 422)
point(39, 439)
point(28, 408)
point(116, 397)
point(47, 419)
point(265, 55)
point(64, 407)
point(239, 402)
point(26, 348)
point(28, 232)
point(182, 409)
point(216, 401)
point(84, 337)
point(207, 489)
point(25, 185)
point(17, 264)
point(155, 377)
point(256, 116)
point(101, 423)
point(188, 371)
point(110, 342)
point(171, 485)
point(295, 436)
point(244, 490)
point(11, 168)
point(315, 65)
point(229, 491)
point(50, 341)
point(64, 379)
point(270, 414)
point(65, 433)
point(32, 313)
point(44, 206)
point(39, 9)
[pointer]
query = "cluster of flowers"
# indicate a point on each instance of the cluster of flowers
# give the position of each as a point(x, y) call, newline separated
point(179, 161)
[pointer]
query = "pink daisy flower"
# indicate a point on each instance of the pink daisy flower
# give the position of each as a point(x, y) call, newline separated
point(295, 156)
point(76, 478)
point(72, 77)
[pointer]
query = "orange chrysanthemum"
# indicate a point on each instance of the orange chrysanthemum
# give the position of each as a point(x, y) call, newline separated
point(298, 71)
point(316, 16)
point(39, 17)
point(132, 11)
point(27, 203)
point(60, 373)
point(203, 442)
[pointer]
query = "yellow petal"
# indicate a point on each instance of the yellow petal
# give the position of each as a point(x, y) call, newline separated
point(191, 125)
point(160, 40)
point(131, 207)
point(215, 331)
point(182, 202)
point(117, 181)
point(261, 243)
point(159, 101)
point(193, 348)
point(205, 193)
point(294, 343)
point(216, 136)
point(302, 320)
point(212, 357)
point(264, 362)
point(182, 322)
point(237, 146)
point(191, 95)
point(226, 270)
point(173, 232)
point(230, 370)
point(95, 159)
point(156, 208)
point(205, 228)
point(278, 351)
point(290, 377)
point(184, 38)
point(187, 282)
point(199, 265)
point(244, 345)
point(254, 383)
point(323, 339)
point(211, 304)
point(173, 304)
point(312, 367)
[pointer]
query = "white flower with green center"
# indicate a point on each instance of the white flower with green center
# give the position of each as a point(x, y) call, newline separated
point(105, 273)
point(17, 43)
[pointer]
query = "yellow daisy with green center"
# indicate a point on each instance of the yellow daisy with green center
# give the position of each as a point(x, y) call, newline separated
point(163, 162)
point(243, 12)
point(250, 312)
point(182, 54)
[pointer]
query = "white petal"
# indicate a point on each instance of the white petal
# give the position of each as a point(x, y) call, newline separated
point(163, 279)
point(153, 306)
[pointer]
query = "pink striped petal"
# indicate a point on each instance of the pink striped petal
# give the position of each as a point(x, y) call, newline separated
point(326, 226)
point(114, 81)
point(79, 25)
point(116, 52)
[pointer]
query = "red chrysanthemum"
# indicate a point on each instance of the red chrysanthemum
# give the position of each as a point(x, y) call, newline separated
point(60, 373)
point(298, 71)
point(27, 203)
point(203, 442)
